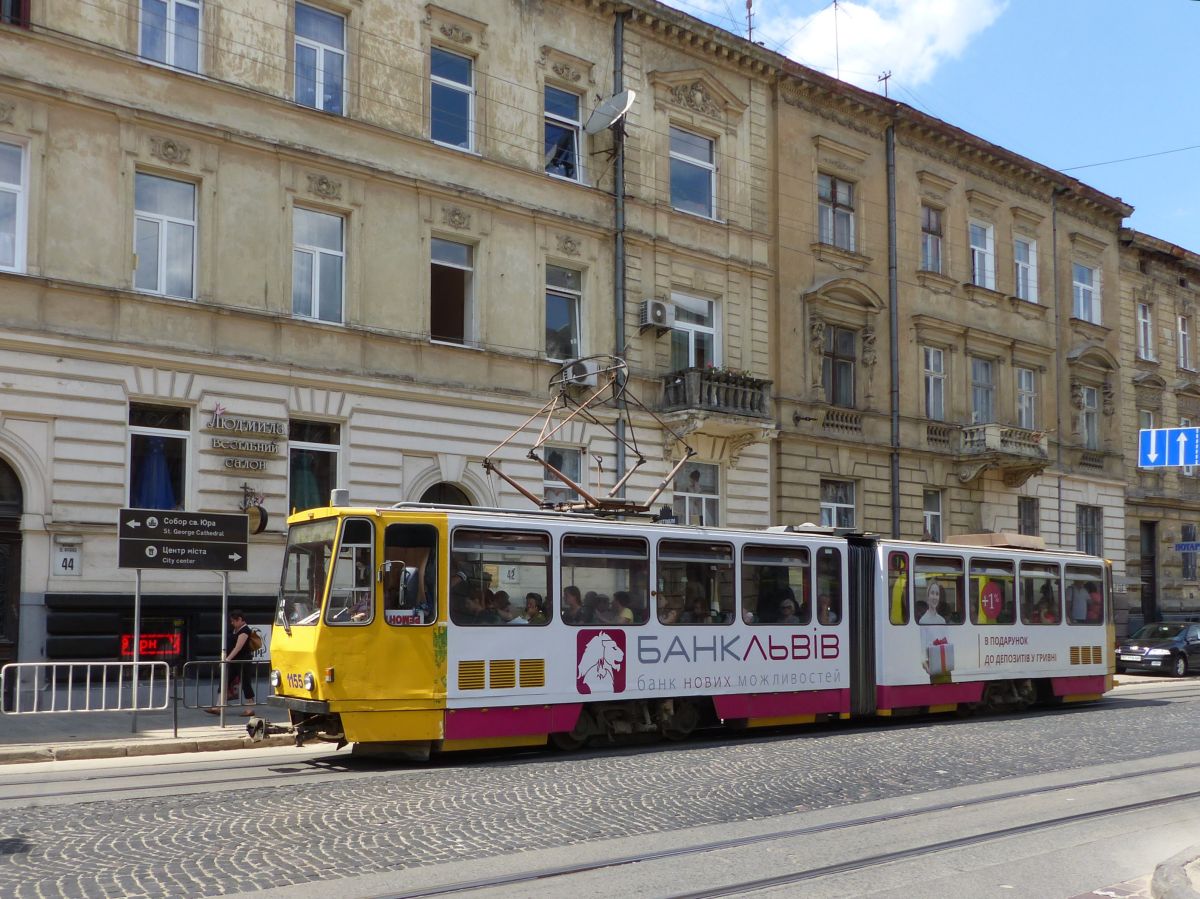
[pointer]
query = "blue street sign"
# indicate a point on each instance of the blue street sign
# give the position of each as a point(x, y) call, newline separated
point(1187, 547)
point(1168, 447)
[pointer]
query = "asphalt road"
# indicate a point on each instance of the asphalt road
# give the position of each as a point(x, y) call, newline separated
point(311, 822)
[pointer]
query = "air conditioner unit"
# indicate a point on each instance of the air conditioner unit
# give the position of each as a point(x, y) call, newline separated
point(658, 314)
point(582, 373)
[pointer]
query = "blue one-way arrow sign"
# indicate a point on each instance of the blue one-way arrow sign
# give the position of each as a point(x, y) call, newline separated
point(1168, 447)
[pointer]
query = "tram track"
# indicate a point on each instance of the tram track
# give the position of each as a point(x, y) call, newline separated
point(546, 874)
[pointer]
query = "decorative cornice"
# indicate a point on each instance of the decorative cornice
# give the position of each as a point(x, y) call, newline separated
point(794, 95)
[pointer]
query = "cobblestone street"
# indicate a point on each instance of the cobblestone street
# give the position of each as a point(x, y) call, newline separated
point(374, 819)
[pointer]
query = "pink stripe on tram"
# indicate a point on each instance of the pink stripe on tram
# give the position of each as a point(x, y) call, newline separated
point(506, 721)
point(1071, 686)
point(780, 705)
point(913, 695)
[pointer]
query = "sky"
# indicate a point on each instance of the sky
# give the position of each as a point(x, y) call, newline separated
point(1066, 83)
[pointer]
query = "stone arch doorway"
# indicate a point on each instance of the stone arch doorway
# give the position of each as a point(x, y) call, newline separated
point(446, 494)
point(11, 504)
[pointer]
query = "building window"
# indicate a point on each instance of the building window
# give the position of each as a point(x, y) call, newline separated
point(983, 391)
point(1146, 419)
point(1027, 399)
point(170, 32)
point(693, 173)
point(1089, 529)
point(451, 99)
point(1089, 418)
point(983, 255)
point(158, 453)
point(1188, 567)
point(837, 504)
point(164, 236)
point(1185, 342)
point(835, 207)
point(450, 293)
point(697, 494)
point(564, 290)
point(837, 366)
point(931, 239)
point(1145, 331)
point(1025, 262)
point(12, 207)
point(14, 12)
point(1085, 290)
point(563, 127)
point(1028, 515)
point(935, 383)
point(318, 261)
point(320, 58)
point(570, 462)
point(933, 515)
point(694, 336)
point(313, 448)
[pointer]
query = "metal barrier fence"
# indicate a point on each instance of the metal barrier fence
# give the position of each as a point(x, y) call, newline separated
point(201, 683)
point(28, 688)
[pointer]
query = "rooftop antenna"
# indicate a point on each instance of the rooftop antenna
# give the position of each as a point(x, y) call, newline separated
point(837, 52)
point(750, 20)
point(884, 78)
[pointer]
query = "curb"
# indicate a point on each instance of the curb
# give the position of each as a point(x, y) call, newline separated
point(21, 755)
point(1171, 879)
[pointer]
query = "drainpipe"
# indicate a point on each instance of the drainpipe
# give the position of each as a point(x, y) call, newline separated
point(619, 230)
point(1058, 358)
point(893, 325)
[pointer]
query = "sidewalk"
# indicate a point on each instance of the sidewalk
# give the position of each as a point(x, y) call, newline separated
point(61, 736)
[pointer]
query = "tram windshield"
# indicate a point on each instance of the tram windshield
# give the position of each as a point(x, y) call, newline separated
point(305, 568)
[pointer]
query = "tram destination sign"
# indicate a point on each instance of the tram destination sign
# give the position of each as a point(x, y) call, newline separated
point(1168, 447)
point(181, 541)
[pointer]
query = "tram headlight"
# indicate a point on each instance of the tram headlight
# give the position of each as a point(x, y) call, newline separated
point(275, 678)
point(310, 682)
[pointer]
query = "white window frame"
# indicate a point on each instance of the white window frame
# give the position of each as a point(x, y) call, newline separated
point(162, 223)
point(1025, 272)
point(554, 490)
point(1184, 326)
point(691, 329)
point(573, 297)
point(831, 507)
point(981, 388)
point(575, 126)
point(931, 513)
point(1089, 417)
point(315, 253)
point(983, 257)
point(169, 433)
point(21, 191)
point(934, 375)
point(1145, 331)
point(1027, 395)
point(830, 210)
point(170, 36)
point(691, 500)
point(931, 240)
point(323, 51)
point(460, 87)
point(1085, 293)
point(468, 298)
point(331, 449)
point(708, 166)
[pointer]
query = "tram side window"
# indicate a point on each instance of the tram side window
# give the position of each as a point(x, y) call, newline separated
point(493, 572)
point(352, 589)
point(898, 588)
point(695, 582)
point(938, 586)
point(409, 574)
point(829, 585)
point(305, 567)
point(1041, 593)
point(993, 592)
point(776, 585)
point(1085, 595)
point(606, 580)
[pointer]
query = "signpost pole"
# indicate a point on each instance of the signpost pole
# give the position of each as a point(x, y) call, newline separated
point(224, 643)
point(137, 637)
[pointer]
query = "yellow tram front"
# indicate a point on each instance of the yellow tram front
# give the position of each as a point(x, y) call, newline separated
point(359, 648)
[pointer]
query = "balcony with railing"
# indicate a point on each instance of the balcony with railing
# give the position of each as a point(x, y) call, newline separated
point(717, 390)
point(1018, 453)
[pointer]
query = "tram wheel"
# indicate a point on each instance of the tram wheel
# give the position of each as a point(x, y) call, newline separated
point(565, 741)
point(678, 719)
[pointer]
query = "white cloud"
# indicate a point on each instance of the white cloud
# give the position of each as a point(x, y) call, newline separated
point(909, 38)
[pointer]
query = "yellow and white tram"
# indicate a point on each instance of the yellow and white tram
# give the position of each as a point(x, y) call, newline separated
point(421, 627)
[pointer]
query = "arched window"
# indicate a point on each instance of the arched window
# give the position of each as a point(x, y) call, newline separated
point(10, 492)
point(444, 494)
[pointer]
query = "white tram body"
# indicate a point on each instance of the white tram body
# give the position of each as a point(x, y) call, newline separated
point(456, 628)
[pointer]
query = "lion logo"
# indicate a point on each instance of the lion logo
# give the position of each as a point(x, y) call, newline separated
point(601, 661)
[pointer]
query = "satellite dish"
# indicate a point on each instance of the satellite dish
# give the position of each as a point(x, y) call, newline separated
point(609, 112)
